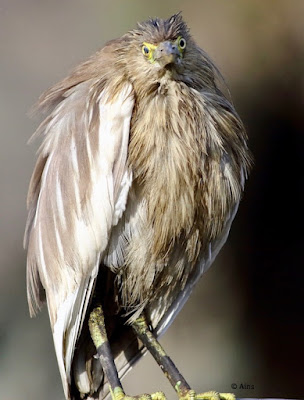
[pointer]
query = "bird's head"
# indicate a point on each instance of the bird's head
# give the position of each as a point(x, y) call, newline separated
point(166, 53)
point(161, 49)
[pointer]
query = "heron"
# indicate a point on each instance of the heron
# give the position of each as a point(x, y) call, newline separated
point(138, 178)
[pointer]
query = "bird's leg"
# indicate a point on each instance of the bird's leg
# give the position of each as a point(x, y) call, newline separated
point(100, 340)
point(143, 332)
point(182, 388)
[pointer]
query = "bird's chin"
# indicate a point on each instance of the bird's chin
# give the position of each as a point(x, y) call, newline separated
point(167, 67)
point(170, 71)
point(170, 66)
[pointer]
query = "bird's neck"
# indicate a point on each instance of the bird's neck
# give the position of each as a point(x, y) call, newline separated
point(165, 154)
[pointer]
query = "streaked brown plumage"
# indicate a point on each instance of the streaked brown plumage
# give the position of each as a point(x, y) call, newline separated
point(138, 179)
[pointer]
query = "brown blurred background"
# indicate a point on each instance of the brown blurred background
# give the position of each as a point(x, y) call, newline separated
point(244, 323)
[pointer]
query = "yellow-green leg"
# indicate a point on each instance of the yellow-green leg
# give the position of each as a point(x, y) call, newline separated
point(182, 388)
point(100, 340)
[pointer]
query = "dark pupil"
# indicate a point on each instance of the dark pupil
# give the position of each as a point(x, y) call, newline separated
point(146, 50)
point(182, 43)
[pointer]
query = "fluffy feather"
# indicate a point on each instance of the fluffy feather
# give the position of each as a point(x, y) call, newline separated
point(137, 182)
point(74, 201)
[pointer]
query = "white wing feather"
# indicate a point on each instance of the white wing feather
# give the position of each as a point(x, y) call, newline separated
point(78, 193)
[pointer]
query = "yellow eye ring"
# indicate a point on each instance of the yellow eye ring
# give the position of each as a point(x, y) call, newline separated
point(146, 51)
point(181, 42)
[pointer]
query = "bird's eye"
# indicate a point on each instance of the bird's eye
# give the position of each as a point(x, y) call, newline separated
point(148, 51)
point(145, 50)
point(181, 43)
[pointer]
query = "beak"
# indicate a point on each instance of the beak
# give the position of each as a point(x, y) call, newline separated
point(166, 53)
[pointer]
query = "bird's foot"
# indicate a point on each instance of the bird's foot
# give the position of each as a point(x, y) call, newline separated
point(212, 395)
point(118, 394)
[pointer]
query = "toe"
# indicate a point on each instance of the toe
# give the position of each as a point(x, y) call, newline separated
point(211, 395)
point(158, 396)
point(227, 396)
point(118, 394)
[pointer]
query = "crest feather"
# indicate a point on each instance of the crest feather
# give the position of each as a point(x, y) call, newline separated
point(156, 30)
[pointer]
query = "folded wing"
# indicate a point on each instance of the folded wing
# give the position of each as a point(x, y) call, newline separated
point(78, 192)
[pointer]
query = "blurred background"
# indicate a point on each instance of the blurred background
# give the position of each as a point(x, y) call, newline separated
point(243, 325)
